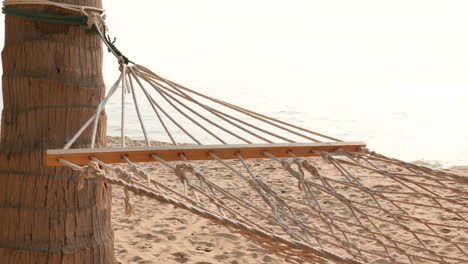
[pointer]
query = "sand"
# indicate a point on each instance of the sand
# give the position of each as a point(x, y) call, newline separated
point(159, 233)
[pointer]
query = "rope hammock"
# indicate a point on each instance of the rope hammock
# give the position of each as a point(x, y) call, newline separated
point(332, 211)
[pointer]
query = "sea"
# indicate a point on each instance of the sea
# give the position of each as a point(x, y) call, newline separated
point(425, 123)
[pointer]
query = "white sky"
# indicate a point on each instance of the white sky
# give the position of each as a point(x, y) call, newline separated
point(295, 42)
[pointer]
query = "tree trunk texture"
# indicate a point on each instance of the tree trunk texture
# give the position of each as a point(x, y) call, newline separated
point(52, 83)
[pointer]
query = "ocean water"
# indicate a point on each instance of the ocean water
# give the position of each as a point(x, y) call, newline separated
point(425, 122)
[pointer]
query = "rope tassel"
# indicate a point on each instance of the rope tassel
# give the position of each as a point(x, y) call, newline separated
point(128, 205)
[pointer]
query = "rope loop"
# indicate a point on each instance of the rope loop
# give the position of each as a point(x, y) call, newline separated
point(87, 172)
point(95, 19)
point(180, 171)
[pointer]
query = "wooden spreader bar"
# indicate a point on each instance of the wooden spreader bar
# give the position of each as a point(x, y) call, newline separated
point(194, 152)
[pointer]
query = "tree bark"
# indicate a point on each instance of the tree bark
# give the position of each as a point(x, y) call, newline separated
point(52, 83)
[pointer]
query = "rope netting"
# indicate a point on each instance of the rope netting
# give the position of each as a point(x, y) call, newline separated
point(337, 213)
point(356, 207)
point(360, 207)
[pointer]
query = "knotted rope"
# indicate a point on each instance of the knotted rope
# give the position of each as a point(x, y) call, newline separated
point(331, 232)
point(294, 250)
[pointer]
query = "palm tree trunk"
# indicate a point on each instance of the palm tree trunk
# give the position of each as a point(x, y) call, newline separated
point(52, 82)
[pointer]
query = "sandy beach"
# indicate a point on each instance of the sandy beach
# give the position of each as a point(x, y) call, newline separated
point(160, 233)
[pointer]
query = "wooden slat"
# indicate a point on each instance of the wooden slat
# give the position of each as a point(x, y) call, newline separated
point(195, 152)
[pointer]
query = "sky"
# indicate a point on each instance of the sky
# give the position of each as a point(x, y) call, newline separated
point(295, 42)
point(271, 42)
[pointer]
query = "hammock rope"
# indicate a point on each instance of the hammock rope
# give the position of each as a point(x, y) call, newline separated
point(298, 249)
point(331, 211)
point(327, 230)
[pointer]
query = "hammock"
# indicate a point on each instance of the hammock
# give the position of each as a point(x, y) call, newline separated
point(355, 206)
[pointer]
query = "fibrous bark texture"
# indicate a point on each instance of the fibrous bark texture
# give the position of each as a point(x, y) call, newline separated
point(52, 83)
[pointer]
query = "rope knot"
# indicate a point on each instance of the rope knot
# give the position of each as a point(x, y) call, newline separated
point(124, 175)
point(325, 156)
point(285, 164)
point(122, 60)
point(88, 172)
point(311, 169)
point(95, 19)
point(195, 171)
point(181, 170)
